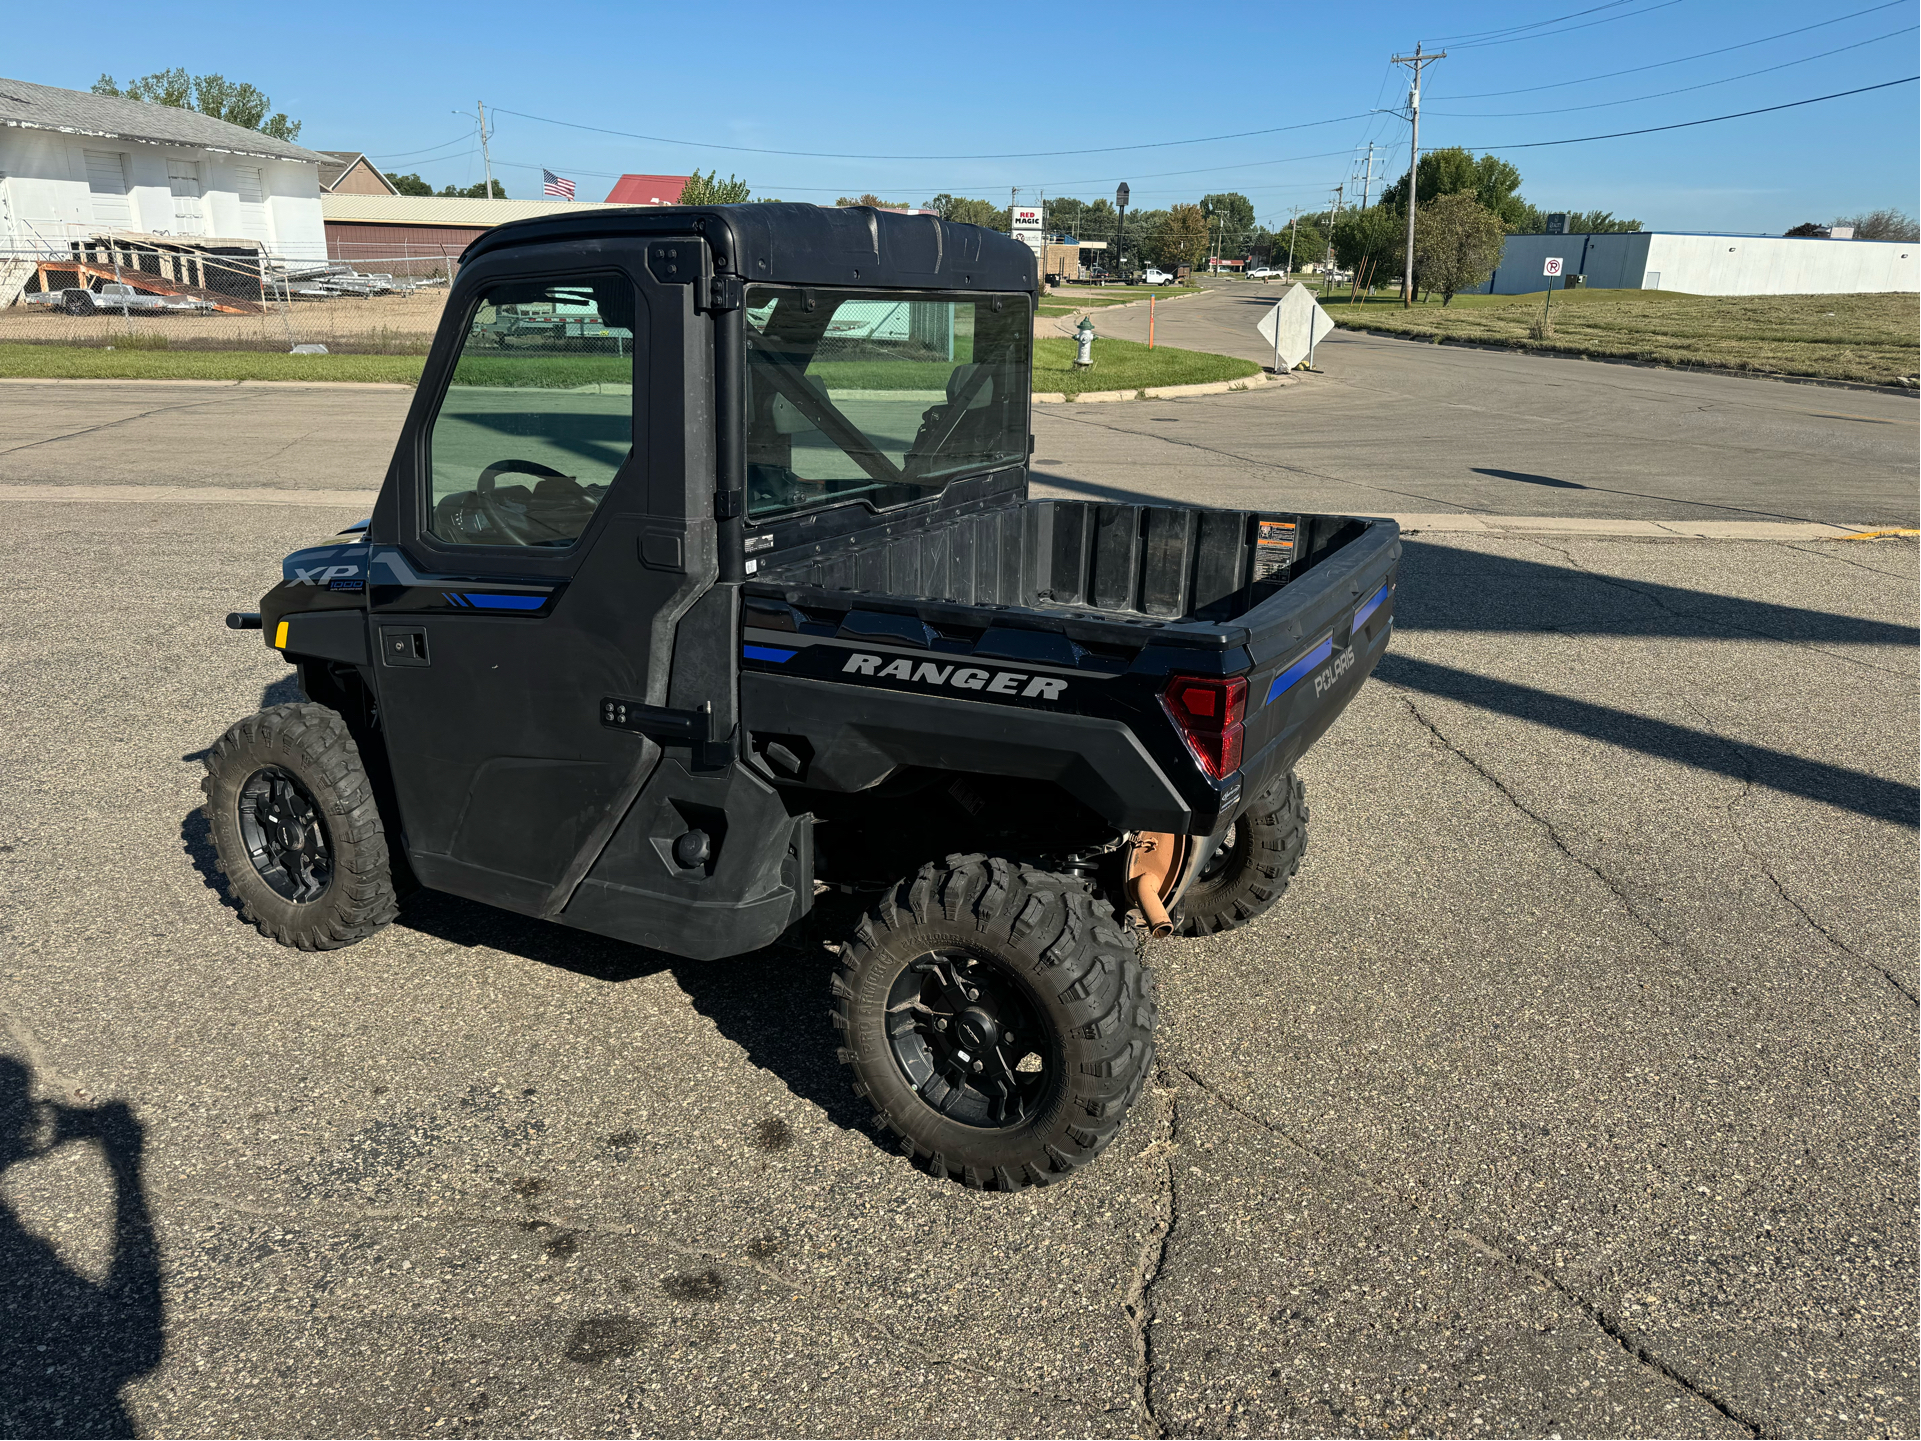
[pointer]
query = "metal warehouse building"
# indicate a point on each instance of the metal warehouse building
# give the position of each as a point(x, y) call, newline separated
point(1711, 264)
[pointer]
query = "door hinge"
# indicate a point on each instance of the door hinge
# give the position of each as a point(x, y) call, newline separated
point(718, 292)
point(727, 504)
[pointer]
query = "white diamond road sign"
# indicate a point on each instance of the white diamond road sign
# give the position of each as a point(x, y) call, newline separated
point(1301, 324)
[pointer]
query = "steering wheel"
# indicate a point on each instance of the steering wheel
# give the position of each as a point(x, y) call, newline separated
point(512, 526)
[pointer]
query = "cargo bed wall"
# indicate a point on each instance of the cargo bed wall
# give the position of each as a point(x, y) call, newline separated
point(1167, 562)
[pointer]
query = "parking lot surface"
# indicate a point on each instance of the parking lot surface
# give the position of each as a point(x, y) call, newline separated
point(1570, 1090)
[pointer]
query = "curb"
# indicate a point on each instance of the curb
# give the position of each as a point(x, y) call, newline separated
point(1157, 392)
point(1686, 366)
point(1545, 525)
point(175, 380)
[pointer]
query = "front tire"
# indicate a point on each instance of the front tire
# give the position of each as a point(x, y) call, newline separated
point(998, 1019)
point(297, 830)
point(1251, 870)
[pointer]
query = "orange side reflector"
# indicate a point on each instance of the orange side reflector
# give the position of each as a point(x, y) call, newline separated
point(280, 636)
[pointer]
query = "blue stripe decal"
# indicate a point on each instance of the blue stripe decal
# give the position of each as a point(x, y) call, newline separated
point(504, 602)
point(1369, 607)
point(1294, 673)
point(767, 652)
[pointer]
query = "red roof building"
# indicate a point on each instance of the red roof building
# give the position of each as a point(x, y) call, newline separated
point(647, 190)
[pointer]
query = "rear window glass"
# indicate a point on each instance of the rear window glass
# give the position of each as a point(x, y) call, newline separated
point(879, 398)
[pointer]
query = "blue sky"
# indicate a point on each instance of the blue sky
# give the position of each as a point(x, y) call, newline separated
point(991, 79)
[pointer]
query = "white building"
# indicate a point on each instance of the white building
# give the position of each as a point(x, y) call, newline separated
point(75, 166)
point(1710, 264)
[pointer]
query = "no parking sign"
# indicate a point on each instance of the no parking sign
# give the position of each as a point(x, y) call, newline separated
point(1552, 266)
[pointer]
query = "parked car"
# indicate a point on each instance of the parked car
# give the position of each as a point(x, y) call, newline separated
point(762, 636)
point(115, 298)
point(1154, 275)
point(1267, 272)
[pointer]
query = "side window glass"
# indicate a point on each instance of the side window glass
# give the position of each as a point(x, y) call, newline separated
point(539, 416)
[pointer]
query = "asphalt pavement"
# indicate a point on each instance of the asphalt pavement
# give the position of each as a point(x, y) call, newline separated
point(1571, 1089)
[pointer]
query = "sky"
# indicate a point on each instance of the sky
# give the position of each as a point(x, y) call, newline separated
point(978, 99)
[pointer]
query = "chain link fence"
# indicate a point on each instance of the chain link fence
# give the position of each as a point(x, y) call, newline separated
point(160, 295)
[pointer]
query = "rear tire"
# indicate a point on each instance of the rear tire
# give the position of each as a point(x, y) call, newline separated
point(998, 1019)
point(1251, 870)
point(297, 830)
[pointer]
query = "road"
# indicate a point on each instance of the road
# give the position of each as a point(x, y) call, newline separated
point(1394, 426)
point(1572, 1089)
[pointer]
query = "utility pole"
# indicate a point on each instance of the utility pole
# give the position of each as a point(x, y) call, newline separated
point(1415, 62)
point(1327, 262)
point(1367, 178)
point(485, 159)
point(1293, 229)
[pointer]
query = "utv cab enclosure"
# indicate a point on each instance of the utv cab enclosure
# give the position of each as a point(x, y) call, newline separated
point(705, 581)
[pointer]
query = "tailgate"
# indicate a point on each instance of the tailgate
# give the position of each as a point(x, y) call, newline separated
point(1312, 643)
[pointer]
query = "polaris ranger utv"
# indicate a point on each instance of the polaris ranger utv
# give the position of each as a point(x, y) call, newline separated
point(737, 596)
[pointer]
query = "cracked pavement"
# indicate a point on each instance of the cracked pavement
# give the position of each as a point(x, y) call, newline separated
point(1570, 1090)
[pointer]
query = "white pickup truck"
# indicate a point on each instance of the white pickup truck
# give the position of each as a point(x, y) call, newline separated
point(116, 298)
point(1154, 275)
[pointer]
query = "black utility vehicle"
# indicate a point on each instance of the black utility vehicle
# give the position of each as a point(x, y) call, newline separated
point(662, 639)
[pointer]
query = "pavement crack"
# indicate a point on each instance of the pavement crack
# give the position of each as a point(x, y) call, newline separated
point(1844, 560)
point(1608, 1324)
point(112, 424)
point(1548, 828)
point(1762, 864)
point(1152, 1259)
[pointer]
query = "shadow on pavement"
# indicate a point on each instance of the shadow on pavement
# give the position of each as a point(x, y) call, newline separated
point(1851, 790)
point(67, 1343)
point(772, 1003)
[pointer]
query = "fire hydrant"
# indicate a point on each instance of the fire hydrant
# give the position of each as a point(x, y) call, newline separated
point(1084, 338)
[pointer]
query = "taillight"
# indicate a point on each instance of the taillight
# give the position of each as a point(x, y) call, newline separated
point(1207, 711)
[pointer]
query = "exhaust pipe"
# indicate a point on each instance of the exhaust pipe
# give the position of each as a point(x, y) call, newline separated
point(1153, 863)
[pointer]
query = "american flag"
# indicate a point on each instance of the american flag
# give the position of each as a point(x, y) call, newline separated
point(556, 185)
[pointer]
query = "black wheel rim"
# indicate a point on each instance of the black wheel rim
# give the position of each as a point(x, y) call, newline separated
point(1223, 857)
point(969, 1037)
point(286, 838)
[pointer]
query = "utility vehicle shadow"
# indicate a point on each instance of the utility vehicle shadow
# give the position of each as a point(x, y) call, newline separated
point(772, 1003)
point(68, 1344)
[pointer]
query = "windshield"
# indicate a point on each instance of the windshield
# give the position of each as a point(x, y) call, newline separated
point(883, 399)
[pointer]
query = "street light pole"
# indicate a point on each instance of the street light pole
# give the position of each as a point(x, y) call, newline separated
point(1120, 239)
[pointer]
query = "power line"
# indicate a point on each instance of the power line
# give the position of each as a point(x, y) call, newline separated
point(1680, 59)
point(1712, 119)
point(1662, 94)
point(1536, 25)
point(409, 154)
point(1567, 30)
point(1011, 155)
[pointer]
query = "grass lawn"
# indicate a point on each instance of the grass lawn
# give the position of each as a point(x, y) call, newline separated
point(1119, 365)
point(92, 362)
point(1874, 338)
point(1129, 365)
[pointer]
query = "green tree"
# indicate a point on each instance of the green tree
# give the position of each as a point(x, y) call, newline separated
point(1372, 239)
point(1451, 171)
point(874, 200)
point(1182, 238)
point(237, 104)
point(706, 190)
point(409, 184)
point(476, 191)
point(1533, 221)
point(1233, 215)
point(963, 211)
point(1457, 244)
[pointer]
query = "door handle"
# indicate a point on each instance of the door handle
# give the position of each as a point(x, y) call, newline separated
point(403, 645)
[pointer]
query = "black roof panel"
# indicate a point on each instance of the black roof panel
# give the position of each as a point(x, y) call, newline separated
point(805, 244)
